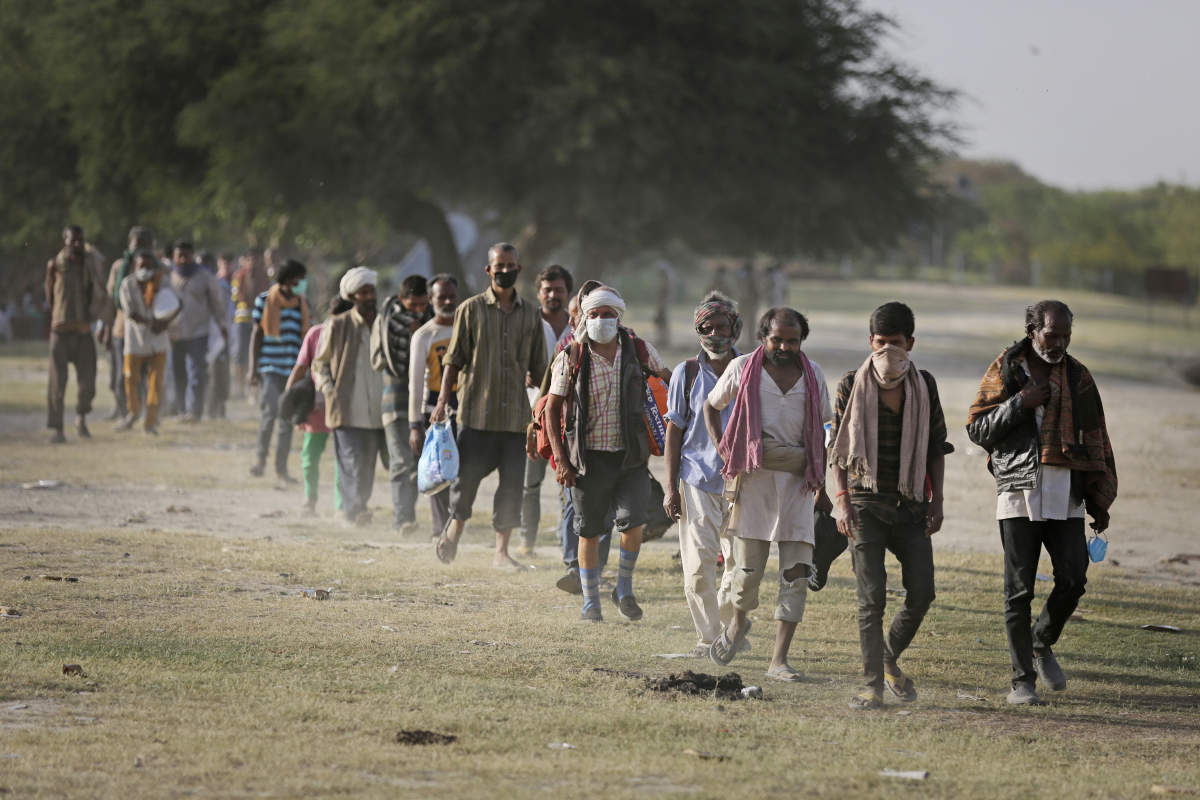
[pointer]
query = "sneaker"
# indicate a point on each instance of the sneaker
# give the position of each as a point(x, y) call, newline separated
point(627, 605)
point(591, 615)
point(570, 582)
point(1048, 670)
point(1023, 694)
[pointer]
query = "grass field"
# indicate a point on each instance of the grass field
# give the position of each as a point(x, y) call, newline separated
point(207, 673)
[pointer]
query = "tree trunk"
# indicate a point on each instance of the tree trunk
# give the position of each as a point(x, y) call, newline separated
point(428, 221)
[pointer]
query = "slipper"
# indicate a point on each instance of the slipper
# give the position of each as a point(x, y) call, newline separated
point(785, 673)
point(445, 549)
point(722, 651)
point(866, 701)
point(900, 685)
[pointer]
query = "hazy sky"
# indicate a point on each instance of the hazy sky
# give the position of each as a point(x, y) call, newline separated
point(1081, 93)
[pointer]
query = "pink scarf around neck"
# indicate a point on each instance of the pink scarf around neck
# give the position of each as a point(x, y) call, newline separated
point(741, 445)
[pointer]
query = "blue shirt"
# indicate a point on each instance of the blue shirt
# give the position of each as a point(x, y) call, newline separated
point(699, 463)
point(279, 352)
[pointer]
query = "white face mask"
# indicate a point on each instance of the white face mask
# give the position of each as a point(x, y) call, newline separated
point(144, 275)
point(602, 330)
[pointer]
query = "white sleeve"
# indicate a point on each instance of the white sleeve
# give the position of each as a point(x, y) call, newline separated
point(727, 386)
point(558, 374)
point(418, 353)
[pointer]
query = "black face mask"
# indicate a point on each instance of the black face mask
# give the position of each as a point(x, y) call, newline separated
point(505, 280)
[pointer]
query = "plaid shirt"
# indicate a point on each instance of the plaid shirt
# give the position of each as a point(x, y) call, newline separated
point(604, 392)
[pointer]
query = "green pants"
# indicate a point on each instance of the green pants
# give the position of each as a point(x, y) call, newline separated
point(310, 462)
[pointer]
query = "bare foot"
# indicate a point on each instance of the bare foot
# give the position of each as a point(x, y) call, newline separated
point(505, 561)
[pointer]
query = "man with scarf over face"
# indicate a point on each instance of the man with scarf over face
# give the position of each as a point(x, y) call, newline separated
point(602, 458)
point(1038, 415)
point(773, 448)
point(888, 456)
point(692, 458)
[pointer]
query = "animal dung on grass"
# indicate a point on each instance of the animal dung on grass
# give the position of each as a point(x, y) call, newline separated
point(726, 687)
point(425, 737)
point(73, 669)
point(705, 756)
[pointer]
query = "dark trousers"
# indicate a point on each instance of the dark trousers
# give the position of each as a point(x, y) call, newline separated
point(1023, 540)
point(356, 450)
point(218, 389)
point(531, 499)
point(480, 453)
point(70, 348)
point(270, 390)
point(116, 373)
point(189, 363)
point(912, 548)
point(402, 471)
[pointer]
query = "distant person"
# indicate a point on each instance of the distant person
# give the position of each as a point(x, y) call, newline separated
point(391, 338)
point(776, 285)
point(498, 344)
point(146, 340)
point(140, 238)
point(748, 295)
point(774, 452)
point(1038, 415)
point(219, 387)
point(281, 318)
point(888, 455)
point(694, 465)
point(316, 432)
point(200, 294)
point(554, 285)
point(353, 393)
point(426, 351)
point(76, 300)
point(248, 283)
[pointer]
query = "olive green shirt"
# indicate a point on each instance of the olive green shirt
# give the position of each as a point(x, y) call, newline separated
point(494, 351)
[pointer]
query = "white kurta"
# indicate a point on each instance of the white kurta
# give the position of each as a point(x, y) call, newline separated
point(774, 506)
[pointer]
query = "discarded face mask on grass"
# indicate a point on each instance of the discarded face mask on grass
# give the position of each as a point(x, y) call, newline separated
point(726, 687)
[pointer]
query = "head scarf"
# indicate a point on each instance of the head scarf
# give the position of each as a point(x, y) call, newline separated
point(707, 310)
point(596, 298)
point(355, 279)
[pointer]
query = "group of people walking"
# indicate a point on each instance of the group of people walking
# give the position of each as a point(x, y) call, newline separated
point(749, 438)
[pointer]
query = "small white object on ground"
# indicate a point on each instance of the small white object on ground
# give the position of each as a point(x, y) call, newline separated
point(1161, 628)
point(44, 483)
point(562, 746)
point(672, 655)
point(964, 696)
point(911, 775)
point(752, 692)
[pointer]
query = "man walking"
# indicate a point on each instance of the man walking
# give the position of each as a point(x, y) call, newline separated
point(554, 285)
point(498, 343)
point(140, 238)
point(391, 337)
point(76, 300)
point(281, 318)
point(202, 303)
point(601, 382)
point(248, 283)
point(218, 392)
point(146, 341)
point(353, 393)
point(692, 457)
point(888, 456)
point(426, 351)
point(1038, 415)
point(774, 452)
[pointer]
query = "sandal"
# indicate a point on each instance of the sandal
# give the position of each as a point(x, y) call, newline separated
point(443, 547)
point(785, 673)
point(900, 685)
point(722, 651)
point(866, 701)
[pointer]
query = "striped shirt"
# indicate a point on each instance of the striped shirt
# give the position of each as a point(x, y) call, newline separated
point(279, 352)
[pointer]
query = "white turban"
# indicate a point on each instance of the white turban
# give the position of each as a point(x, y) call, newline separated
point(602, 296)
point(355, 279)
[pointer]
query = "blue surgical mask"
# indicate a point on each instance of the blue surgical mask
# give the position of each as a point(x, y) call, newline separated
point(301, 287)
point(1097, 548)
point(602, 330)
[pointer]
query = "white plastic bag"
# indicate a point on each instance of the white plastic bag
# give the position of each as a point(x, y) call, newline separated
point(438, 465)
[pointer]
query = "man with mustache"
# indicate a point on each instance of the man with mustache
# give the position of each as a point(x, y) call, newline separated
point(353, 393)
point(888, 456)
point(773, 448)
point(1038, 415)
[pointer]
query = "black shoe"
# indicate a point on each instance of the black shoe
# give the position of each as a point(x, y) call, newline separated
point(570, 582)
point(1048, 670)
point(591, 615)
point(627, 605)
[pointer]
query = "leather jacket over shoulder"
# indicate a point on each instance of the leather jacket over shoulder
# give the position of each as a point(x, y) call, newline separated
point(1009, 434)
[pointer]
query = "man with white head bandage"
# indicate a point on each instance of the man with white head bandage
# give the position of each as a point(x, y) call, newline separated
point(353, 392)
point(600, 381)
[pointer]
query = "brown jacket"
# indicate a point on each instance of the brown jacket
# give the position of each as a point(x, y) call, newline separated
point(74, 292)
point(333, 367)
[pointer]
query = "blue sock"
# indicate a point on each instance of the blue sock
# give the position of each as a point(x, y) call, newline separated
point(625, 572)
point(590, 578)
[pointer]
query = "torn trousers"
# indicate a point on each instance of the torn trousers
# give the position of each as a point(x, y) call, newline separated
point(751, 557)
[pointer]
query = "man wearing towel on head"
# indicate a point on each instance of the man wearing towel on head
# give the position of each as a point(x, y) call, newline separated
point(601, 380)
point(353, 393)
point(774, 452)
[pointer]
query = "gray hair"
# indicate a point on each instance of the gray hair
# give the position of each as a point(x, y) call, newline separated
point(501, 247)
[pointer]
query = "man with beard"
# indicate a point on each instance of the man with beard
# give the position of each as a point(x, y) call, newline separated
point(76, 300)
point(774, 452)
point(391, 336)
point(554, 285)
point(1038, 415)
point(498, 343)
point(353, 392)
point(692, 457)
point(139, 239)
point(888, 455)
point(426, 351)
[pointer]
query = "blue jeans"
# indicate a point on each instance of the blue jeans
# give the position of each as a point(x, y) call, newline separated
point(570, 539)
point(190, 365)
